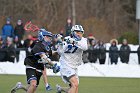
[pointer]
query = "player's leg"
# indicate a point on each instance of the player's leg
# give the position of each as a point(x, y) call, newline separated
point(32, 86)
point(69, 75)
point(45, 79)
point(74, 84)
point(77, 80)
point(31, 80)
point(35, 84)
point(63, 89)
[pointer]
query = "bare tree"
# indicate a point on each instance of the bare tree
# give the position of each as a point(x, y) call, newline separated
point(106, 16)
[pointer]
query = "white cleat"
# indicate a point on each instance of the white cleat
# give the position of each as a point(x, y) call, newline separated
point(58, 88)
point(19, 85)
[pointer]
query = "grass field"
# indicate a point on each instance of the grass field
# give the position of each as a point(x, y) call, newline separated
point(87, 84)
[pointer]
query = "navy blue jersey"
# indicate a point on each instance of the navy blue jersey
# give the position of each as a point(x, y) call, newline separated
point(32, 60)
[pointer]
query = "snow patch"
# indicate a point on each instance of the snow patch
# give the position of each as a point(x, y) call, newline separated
point(131, 70)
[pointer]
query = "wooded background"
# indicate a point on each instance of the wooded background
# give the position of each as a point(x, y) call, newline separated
point(105, 19)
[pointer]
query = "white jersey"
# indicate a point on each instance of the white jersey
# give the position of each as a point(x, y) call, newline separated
point(72, 57)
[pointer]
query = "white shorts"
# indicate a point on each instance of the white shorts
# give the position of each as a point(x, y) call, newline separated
point(67, 72)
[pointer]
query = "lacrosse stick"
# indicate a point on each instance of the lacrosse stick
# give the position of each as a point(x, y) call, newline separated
point(99, 71)
point(31, 27)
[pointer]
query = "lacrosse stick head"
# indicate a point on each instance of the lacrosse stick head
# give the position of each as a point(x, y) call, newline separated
point(31, 27)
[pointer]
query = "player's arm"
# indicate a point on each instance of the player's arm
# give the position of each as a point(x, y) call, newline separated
point(46, 60)
point(82, 44)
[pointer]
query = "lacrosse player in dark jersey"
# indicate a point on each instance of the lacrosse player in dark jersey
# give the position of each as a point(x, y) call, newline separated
point(35, 63)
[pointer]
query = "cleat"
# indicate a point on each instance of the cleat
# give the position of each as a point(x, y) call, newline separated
point(19, 85)
point(48, 88)
point(58, 88)
point(13, 91)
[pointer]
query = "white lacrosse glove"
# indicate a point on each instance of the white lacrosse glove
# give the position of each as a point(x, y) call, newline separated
point(44, 60)
point(59, 37)
point(29, 49)
point(70, 40)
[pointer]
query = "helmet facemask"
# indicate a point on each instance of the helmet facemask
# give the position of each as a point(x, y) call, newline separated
point(48, 39)
point(77, 32)
point(76, 36)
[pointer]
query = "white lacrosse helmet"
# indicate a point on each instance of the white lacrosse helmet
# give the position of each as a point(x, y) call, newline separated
point(77, 28)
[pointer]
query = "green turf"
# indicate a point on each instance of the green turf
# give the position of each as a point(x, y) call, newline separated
point(87, 85)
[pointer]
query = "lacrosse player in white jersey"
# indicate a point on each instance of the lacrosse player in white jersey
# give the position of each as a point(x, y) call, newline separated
point(71, 51)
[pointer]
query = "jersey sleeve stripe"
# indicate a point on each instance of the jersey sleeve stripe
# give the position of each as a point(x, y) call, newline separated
point(39, 53)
